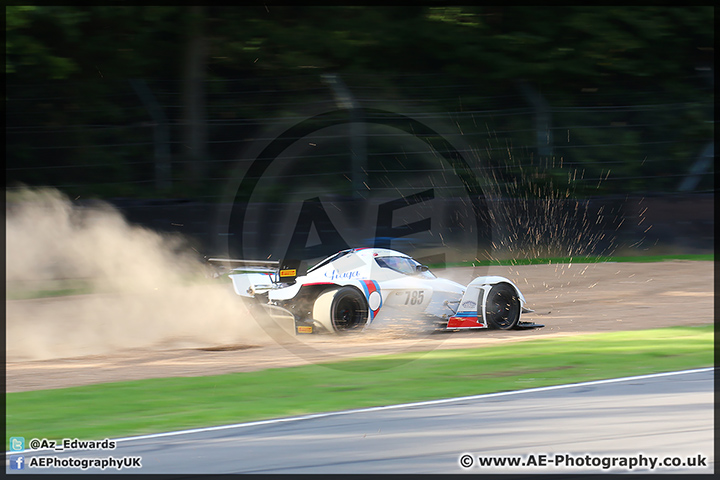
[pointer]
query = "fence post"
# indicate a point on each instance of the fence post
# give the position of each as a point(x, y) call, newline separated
point(543, 132)
point(690, 182)
point(161, 135)
point(358, 148)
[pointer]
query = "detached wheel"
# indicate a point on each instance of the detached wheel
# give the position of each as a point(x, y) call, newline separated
point(341, 310)
point(502, 308)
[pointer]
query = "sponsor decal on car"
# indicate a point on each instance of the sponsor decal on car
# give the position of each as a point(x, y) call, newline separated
point(374, 297)
point(335, 275)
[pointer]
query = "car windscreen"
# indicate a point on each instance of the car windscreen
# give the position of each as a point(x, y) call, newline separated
point(329, 259)
point(404, 265)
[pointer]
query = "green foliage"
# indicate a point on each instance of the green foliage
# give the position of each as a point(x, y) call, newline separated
point(69, 65)
point(548, 45)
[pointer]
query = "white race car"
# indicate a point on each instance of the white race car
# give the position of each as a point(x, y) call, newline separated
point(357, 288)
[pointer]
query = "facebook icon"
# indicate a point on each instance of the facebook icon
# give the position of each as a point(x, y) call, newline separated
point(17, 462)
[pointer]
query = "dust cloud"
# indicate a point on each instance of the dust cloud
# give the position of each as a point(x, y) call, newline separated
point(129, 287)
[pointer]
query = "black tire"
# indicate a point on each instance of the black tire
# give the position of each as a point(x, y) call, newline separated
point(502, 307)
point(341, 310)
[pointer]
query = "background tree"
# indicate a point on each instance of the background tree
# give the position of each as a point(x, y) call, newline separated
point(68, 71)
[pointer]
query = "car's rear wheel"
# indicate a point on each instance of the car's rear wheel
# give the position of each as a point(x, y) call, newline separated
point(502, 307)
point(341, 310)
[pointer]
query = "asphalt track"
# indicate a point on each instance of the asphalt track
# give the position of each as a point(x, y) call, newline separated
point(663, 416)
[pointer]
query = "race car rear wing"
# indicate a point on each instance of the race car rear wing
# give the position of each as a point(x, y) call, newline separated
point(247, 266)
point(285, 271)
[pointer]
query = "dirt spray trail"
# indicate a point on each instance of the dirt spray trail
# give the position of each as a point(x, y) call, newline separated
point(148, 289)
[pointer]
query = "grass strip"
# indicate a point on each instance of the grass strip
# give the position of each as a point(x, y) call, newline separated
point(156, 405)
point(60, 292)
point(578, 259)
point(23, 290)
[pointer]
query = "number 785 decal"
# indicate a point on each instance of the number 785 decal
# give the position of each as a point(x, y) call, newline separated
point(414, 297)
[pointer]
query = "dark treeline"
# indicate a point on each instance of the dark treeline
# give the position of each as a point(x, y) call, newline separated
point(99, 97)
